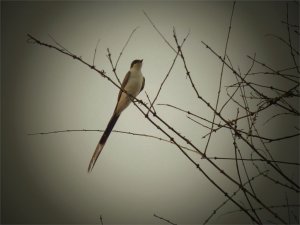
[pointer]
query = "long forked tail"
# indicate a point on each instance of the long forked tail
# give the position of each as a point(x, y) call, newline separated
point(102, 141)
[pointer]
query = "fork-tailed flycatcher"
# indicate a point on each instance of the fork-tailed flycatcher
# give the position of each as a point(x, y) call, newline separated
point(133, 84)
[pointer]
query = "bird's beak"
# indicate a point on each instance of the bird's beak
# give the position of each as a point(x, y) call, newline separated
point(141, 60)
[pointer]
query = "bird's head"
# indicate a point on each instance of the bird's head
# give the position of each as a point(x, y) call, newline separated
point(136, 64)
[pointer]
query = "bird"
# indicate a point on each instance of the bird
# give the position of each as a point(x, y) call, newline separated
point(133, 84)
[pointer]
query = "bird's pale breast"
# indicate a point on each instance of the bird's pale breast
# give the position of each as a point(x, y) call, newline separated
point(133, 88)
point(134, 84)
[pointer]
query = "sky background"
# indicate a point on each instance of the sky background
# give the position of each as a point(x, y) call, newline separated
point(44, 178)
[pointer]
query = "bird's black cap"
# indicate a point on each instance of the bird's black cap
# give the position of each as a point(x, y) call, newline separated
point(136, 61)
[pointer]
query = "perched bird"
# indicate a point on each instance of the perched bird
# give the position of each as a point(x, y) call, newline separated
point(133, 84)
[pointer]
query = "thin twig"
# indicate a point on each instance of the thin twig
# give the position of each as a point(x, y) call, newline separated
point(125, 45)
point(236, 149)
point(114, 131)
point(95, 51)
point(234, 193)
point(166, 220)
point(150, 101)
point(220, 80)
point(169, 71)
point(111, 63)
point(260, 208)
point(160, 139)
point(58, 44)
point(283, 41)
point(289, 35)
point(288, 207)
point(161, 35)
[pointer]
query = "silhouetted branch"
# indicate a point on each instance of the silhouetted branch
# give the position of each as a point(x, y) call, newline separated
point(283, 41)
point(115, 131)
point(288, 207)
point(125, 45)
point(277, 73)
point(161, 35)
point(221, 79)
point(260, 208)
point(151, 105)
point(95, 51)
point(234, 193)
point(219, 126)
point(163, 219)
point(289, 35)
point(169, 71)
point(112, 65)
point(160, 139)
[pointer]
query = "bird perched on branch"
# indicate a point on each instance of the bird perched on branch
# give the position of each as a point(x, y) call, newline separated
point(133, 84)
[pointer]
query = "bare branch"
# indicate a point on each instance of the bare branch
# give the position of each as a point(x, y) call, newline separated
point(95, 51)
point(221, 79)
point(161, 35)
point(289, 35)
point(125, 45)
point(163, 219)
point(168, 73)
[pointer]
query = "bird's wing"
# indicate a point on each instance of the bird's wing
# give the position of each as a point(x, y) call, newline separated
point(124, 84)
point(143, 85)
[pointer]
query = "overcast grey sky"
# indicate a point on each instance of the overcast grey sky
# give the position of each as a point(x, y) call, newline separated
point(45, 179)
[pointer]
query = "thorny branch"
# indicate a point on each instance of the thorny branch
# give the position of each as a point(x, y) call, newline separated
point(164, 140)
point(220, 81)
point(289, 35)
point(169, 71)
